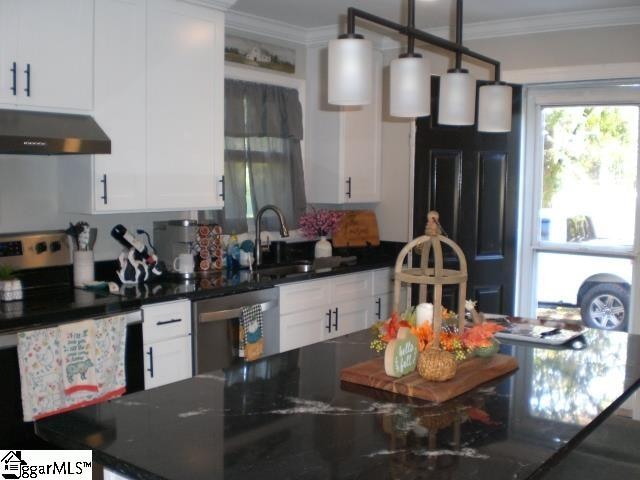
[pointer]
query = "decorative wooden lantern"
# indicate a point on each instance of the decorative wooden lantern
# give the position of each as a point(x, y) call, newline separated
point(432, 277)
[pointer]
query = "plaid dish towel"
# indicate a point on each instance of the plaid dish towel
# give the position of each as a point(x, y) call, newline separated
point(251, 342)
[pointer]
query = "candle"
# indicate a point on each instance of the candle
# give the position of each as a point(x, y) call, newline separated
point(424, 313)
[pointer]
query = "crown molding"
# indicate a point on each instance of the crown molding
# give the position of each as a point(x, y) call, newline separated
point(571, 73)
point(222, 5)
point(600, 18)
point(244, 22)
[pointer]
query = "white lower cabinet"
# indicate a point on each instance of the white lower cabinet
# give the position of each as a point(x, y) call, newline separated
point(298, 329)
point(166, 338)
point(167, 361)
point(382, 291)
point(318, 310)
point(347, 317)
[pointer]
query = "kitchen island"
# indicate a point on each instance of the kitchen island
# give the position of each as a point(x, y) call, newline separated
point(289, 416)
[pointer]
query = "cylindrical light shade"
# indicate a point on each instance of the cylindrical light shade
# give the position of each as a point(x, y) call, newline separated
point(457, 102)
point(410, 87)
point(350, 71)
point(494, 108)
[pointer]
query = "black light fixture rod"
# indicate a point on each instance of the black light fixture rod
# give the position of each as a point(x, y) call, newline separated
point(458, 33)
point(411, 23)
point(410, 31)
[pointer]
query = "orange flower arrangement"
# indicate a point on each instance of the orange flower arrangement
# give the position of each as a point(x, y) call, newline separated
point(480, 335)
point(425, 335)
point(387, 331)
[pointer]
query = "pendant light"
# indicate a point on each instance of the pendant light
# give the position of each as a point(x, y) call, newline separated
point(457, 99)
point(350, 70)
point(351, 76)
point(494, 107)
point(410, 80)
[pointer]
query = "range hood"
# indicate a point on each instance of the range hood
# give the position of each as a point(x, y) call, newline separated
point(42, 133)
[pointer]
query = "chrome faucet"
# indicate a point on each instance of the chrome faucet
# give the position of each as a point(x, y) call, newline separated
point(284, 231)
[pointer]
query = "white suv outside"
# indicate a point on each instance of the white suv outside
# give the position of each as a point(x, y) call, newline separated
point(599, 285)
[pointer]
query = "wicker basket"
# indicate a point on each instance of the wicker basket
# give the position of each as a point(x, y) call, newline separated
point(437, 365)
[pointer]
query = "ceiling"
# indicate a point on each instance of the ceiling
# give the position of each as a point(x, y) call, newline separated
point(429, 13)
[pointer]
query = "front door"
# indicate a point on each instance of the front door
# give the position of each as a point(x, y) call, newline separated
point(471, 179)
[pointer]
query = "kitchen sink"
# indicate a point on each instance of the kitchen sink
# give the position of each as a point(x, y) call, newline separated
point(287, 270)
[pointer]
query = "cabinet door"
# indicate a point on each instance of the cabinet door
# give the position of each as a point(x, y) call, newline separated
point(167, 361)
point(361, 144)
point(185, 95)
point(8, 49)
point(55, 53)
point(303, 328)
point(348, 317)
point(347, 287)
point(120, 104)
point(300, 296)
point(166, 320)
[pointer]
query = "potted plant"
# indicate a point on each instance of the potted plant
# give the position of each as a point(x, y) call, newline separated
point(10, 286)
point(320, 223)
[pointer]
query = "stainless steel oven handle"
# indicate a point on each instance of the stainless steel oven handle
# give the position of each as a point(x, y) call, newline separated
point(220, 315)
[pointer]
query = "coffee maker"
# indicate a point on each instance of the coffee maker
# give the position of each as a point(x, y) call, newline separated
point(175, 241)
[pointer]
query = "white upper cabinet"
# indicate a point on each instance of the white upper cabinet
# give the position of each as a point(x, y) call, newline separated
point(120, 86)
point(185, 95)
point(344, 144)
point(46, 53)
point(159, 96)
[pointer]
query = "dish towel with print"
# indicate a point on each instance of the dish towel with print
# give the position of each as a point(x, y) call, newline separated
point(43, 379)
point(78, 351)
point(251, 342)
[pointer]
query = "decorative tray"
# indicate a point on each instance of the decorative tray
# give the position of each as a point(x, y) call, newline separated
point(470, 374)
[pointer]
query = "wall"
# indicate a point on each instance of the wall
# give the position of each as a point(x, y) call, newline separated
point(587, 47)
point(29, 201)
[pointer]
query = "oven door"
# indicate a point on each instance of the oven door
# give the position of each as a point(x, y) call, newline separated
point(216, 332)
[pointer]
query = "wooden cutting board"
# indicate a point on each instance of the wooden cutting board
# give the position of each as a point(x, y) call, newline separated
point(358, 228)
point(470, 374)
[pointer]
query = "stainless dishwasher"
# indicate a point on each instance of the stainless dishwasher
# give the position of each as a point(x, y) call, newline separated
point(215, 328)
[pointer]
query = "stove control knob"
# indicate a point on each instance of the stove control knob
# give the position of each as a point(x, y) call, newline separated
point(41, 247)
point(55, 246)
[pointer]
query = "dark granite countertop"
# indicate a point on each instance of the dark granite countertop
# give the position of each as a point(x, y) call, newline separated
point(288, 416)
point(74, 304)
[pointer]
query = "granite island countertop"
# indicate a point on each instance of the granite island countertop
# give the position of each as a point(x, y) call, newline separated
point(289, 416)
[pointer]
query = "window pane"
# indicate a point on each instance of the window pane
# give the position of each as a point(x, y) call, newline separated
point(589, 177)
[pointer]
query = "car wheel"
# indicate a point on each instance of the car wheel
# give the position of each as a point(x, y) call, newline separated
point(605, 306)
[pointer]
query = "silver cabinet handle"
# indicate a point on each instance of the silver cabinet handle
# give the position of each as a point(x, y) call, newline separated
point(221, 315)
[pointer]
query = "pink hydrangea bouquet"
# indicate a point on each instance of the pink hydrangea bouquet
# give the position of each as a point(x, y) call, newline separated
point(319, 223)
